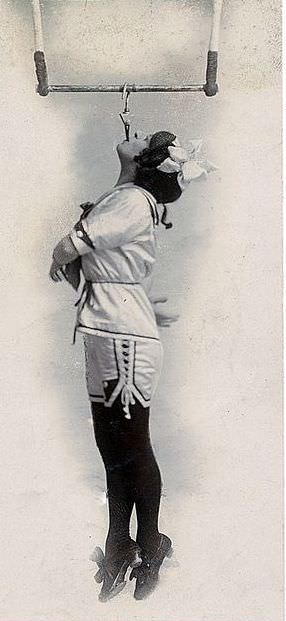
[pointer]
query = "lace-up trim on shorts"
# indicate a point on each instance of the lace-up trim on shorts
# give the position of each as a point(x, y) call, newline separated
point(118, 368)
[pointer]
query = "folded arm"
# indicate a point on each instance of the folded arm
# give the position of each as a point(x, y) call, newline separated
point(65, 252)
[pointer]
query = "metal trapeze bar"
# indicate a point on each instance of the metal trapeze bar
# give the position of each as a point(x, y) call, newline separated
point(132, 88)
point(210, 86)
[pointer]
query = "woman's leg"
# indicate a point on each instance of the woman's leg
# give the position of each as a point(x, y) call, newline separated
point(107, 429)
point(140, 473)
point(146, 481)
point(154, 545)
point(132, 473)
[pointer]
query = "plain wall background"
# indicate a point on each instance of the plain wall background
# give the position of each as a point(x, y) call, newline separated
point(217, 416)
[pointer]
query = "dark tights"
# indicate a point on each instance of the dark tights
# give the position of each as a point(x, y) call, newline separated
point(132, 474)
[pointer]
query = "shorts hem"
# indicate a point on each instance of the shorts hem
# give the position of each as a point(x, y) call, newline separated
point(116, 335)
point(96, 399)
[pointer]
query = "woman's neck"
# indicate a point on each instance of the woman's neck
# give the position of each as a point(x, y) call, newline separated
point(127, 175)
point(123, 179)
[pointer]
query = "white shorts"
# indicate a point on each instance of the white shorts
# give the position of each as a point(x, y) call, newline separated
point(117, 367)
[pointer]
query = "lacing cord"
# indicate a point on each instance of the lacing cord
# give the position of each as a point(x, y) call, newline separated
point(127, 397)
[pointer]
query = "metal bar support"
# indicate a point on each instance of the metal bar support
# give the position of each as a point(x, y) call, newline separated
point(211, 87)
point(39, 56)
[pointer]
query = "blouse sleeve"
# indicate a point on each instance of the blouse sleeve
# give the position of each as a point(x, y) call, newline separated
point(125, 217)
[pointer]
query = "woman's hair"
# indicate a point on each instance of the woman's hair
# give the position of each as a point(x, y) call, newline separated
point(163, 186)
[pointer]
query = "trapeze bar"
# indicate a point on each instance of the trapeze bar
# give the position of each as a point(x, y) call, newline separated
point(132, 88)
point(210, 86)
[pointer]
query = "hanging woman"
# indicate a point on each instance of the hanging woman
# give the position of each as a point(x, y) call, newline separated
point(114, 247)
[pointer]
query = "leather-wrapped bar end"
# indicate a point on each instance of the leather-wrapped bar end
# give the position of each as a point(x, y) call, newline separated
point(41, 73)
point(211, 87)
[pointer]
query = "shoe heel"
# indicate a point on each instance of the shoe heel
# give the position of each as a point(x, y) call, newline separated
point(105, 597)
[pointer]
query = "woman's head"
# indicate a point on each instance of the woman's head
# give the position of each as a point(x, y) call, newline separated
point(164, 186)
point(147, 154)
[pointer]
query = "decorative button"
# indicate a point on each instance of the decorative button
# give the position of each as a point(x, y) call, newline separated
point(79, 233)
point(105, 384)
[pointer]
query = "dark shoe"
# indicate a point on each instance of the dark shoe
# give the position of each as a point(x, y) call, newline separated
point(112, 569)
point(147, 574)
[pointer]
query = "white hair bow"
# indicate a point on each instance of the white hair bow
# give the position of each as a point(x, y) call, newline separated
point(188, 163)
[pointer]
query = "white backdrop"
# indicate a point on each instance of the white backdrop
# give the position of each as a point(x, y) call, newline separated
point(217, 417)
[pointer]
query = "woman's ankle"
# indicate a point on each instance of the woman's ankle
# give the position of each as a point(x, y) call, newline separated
point(149, 543)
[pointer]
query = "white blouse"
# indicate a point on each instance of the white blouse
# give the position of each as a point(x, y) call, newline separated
point(117, 243)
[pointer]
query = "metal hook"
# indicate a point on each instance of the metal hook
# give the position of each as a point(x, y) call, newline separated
point(125, 97)
point(126, 126)
point(126, 111)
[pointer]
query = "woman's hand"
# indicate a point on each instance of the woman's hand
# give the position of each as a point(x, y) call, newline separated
point(163, 319)
point(56, 272)
point(64, 253)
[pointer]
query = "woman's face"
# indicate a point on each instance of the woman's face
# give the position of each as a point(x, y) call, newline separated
point(127, 150)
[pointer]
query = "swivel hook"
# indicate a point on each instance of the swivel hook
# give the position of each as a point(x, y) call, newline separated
point(126, 111)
